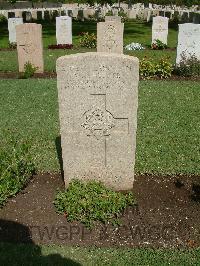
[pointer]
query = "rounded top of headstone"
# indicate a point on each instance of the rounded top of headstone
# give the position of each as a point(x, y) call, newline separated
point(96, 55)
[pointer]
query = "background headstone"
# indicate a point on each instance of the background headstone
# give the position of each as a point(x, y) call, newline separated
point(64, 30)
point(12, 23)
point(160, 29)
point(188, 41)
point(29, 46)
point(113, 18)
point(110, 37)
point(98, 99)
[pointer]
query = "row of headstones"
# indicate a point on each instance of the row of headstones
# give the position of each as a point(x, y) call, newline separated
point(148, 14)
point(81, 14)
point(63, 29)
point(109, 38)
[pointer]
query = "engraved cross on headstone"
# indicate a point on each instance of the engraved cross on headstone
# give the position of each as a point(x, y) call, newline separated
point(100, 122)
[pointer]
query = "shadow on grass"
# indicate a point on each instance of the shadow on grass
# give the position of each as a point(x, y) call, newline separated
point(59, 155)
point(14, 251)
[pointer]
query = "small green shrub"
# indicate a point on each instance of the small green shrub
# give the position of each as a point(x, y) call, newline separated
point(90, 202)
point(164, 68)
point(158, 45)
point(88, 40)
point(29, 70)
point(109, 13)
point(188, 66)
point(123, 15)
point(147, 68)
point(151, 69)
point(16, 167)
point(3, 19)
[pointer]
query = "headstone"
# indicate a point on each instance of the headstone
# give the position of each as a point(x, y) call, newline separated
point(149, 16)
point(29, 46)
point(12, 23)
point(160, 29)
point(132, 14)
point(75, 12)
point(98, 99)
point(64, 30)
point(110, 37)
point(188, 41)
point(28, 16)
point(18, 14)
point(112, 18)
point(34, 14)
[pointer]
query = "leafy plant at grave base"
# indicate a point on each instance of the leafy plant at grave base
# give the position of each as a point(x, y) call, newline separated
point(123, 15)
point(88, 40)
point(150, 69)
point(3, 19)
point(164, 68)
point(92, 201)
point(60, 46)
point(109, 13)
point(12, 45)
point(16, 168)
point(29, 70)
point(158, 45)
point(188, 66)
point(147, 68)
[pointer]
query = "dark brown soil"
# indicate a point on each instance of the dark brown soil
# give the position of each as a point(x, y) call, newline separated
point(17, 75)
point(167, 215)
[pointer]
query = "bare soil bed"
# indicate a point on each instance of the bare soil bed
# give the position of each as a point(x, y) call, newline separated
point(166, 215)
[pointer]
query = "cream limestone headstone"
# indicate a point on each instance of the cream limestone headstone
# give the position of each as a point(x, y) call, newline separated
point(98, 99)
point(12, 23)
point(188, 41)
point(160, 29)
point(64, 30)
point(29, 46)
point(110, 37)
point(113, 18)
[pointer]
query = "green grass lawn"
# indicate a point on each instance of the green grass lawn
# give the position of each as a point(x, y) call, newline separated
point(168, 123)
point(11, 254)
point(134, 31)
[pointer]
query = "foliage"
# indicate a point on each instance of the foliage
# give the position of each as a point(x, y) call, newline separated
point(91, 201)
point(149, 68)
point(29, 70)
point(12, 45)
point(123, 15)
point(188, 66)
point(88, 40)
point(158, 45)
point(15, 169)
point(164, 68)
point(3, 19)
point(60, 46)
point(12, 1)
point(109, 13)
